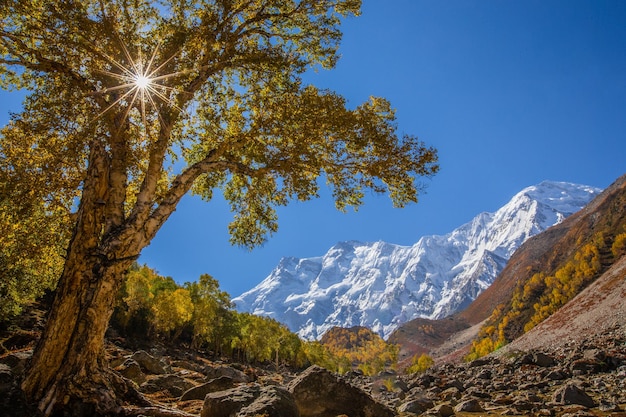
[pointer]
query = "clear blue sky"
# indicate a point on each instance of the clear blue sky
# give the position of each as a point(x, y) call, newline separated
point(510, 92)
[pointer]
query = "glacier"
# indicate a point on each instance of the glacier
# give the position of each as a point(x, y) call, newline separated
point(382, 285)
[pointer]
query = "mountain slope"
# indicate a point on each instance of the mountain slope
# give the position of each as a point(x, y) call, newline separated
point(597, 309)
point(601, 302)
point(382, 285)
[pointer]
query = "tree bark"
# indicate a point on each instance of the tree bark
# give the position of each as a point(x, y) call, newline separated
point(68, 369)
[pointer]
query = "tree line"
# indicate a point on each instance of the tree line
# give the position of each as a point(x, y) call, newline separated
point(202, 316)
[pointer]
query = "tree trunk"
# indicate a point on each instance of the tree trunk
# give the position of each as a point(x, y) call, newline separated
point(68, 370)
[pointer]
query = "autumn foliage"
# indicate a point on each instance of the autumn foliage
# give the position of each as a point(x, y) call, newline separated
point(359, 348)
point(536, 298)
point(202, 316)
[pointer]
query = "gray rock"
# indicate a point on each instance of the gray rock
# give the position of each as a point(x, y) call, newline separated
point(6, 377)
point(272, 401)
point(469, 406)
point(319, 393)
point(572, 394)
point(542, 360)
point(148, 363)
point(174, 384)
point(416, 405)
point(450, 394)
point(130, 369)
point(556, 375)
point(442, 410)
point(212, 372)
point(198, 393)
point(228, 403)
point(17, 361)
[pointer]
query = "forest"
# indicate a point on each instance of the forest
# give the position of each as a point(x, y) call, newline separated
point(201, 316)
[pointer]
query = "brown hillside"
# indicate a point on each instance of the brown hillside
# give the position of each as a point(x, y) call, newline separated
point(546, 251)
point(599, 308)
point(542, 253)
point(423, 336)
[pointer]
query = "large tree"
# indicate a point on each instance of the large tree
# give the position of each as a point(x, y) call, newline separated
point(138, 102)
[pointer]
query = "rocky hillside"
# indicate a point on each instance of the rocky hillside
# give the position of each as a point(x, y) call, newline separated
point(583, 376)
point(547, 253)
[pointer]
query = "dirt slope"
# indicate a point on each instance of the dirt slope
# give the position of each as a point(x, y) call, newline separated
point(600, 307)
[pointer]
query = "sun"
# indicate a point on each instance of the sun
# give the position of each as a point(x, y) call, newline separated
point(142, 81)
point(139, 84)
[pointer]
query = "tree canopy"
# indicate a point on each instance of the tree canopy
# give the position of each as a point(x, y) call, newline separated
point(224, 93)
point(132, 104)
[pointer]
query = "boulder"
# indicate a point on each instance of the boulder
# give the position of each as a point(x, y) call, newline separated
point(17, 361)
point(416, 405)
point(442, 410)
point(149, 363)
point(173, 384)
point(212, 372)
point(130, 369)
point(450, 394)
point(542, 360)
point(6, 377)
point(469, 406)
point(273, 401)
point(570, 394)
point(198, 393)
point(319, 393)
point(536, 358)
point(228, 403)
point(586, 366)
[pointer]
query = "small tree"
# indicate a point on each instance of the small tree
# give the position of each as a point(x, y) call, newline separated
point(140, 102)
point(212, 313)
point(420, 364)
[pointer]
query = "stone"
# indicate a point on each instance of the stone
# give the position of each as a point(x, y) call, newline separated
point(542, 360)
point(212, 372)
point(570, 394)
point(273, 401)
point(484, 374)
point(130, 369)
point(556, 375)
point(442, 410)
point(148, 363)
point(469, 406)
point(586, 366)
point(536, 358)
point(416, 405)
point(319, 393)
point(449, 394)
point(6, 377)
point(173, 384)
point(229, 402)
point(17, 361)
point(198, 393)
point(609, 407)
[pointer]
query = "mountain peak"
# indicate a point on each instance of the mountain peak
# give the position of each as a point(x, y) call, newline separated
point(381, 285)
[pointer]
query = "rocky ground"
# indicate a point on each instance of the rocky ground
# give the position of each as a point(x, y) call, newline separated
point(582, 376)
point(586, 378)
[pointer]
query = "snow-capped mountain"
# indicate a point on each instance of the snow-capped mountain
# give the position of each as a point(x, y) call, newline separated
point(382, 285)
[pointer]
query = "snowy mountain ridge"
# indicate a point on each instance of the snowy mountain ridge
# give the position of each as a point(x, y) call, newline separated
point(382, 285)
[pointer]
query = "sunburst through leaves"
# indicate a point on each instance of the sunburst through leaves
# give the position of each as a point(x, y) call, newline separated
point(139, 84)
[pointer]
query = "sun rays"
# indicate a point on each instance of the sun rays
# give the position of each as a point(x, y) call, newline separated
point(139, 85)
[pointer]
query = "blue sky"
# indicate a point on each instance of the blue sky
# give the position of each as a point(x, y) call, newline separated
point(511, 93)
